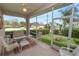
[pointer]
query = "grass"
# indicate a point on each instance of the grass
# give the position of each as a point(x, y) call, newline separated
point(59, 41)
point(46, 40)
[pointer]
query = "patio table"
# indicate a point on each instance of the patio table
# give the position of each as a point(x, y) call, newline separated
point(18, 39)
point(22, 41)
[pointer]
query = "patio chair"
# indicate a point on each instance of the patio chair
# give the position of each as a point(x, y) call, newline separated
point(1, 48)
point(69, 52)
point(22, 40)
point(8, 47)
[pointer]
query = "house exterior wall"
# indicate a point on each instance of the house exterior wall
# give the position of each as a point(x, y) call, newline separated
point(39, 27)
point(2, 32)
point(76, 24)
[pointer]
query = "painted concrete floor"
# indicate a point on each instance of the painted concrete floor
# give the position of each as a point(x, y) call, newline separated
point(41, 49)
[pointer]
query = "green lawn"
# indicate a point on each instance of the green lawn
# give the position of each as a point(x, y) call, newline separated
point(59, 41)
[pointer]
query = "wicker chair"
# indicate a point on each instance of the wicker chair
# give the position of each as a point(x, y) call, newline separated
point(7, 47)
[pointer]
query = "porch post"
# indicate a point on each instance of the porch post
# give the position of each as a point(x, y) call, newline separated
point(27, 27)
point(47, 20)
point(52, 29)
point(36, 29)
point(70, 27)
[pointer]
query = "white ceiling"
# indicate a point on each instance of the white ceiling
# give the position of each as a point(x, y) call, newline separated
point(32, 8)
point(18, 7)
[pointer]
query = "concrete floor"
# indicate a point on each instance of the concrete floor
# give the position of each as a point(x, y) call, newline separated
point(41, 49)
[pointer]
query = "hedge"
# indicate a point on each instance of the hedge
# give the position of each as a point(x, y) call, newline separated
point(76, 41)
point(11, 32)
point(45, 40)
point(75, 33)
point(60, 43)
point(56, 31)
point(65, 32)
point(44, 31)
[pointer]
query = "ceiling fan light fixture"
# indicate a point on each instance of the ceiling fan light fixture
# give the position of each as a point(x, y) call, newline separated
point(24, 10)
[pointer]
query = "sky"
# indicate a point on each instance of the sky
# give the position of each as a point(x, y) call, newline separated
point(42, 18)
point(9, 18)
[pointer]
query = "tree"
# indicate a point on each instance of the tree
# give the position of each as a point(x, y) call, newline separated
point(47, 26)
point(22, 24)
point(6, 22)
point(67, 12)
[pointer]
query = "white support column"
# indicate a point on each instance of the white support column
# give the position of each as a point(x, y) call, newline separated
point(70, 27)
point(47, 19)
point(27, 27)
point(36, 29)
point(52, 29)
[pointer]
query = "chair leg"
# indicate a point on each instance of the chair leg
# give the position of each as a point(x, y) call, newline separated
point(21, 48)
point(3, 52)
point(18, 48)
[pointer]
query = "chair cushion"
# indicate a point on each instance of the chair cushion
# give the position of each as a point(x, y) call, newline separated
point(1, 44)
point(12, 46)
point(23, 43)
point(21, 37)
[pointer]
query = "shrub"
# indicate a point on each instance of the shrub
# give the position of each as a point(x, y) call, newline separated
point(44, 31)
point(46, 40)
point(33, 32)
point(76, 40)
point(11, 32)
point(60, 44)
point(56, 31)
point(75, 33)
point(65, 32)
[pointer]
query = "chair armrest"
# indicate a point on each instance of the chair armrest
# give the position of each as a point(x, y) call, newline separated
point(13, 41)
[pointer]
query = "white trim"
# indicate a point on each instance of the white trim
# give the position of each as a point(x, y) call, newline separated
point(52, 29)
point(36, 28)
point(27, 27)
point(61, 17)
point(47, 19)
point(70, 27)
